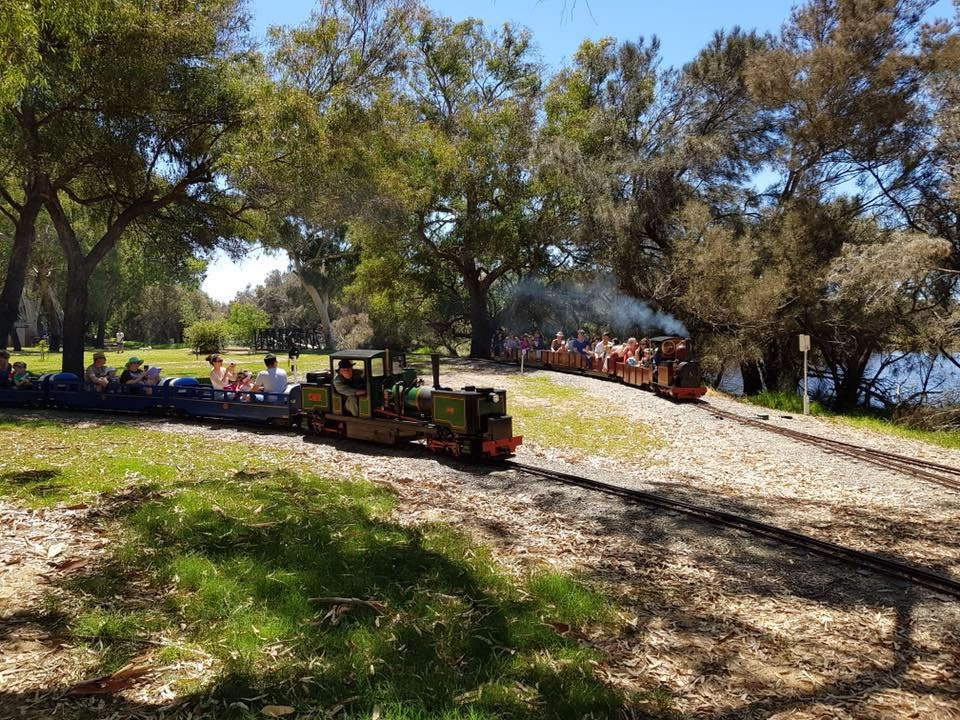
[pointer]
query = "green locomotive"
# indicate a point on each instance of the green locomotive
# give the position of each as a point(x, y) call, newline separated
point(382, 400)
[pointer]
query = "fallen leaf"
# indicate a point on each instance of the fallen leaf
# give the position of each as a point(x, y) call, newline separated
point(55, 550)
point(278, 710)
point(115, 682)
point(71, 565)
point(12, 561)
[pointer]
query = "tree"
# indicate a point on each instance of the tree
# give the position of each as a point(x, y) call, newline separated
point(115, 149)
point(29, 31)
point(313, 154)
point(472, 209)
point(844, 84)
point(244, 320)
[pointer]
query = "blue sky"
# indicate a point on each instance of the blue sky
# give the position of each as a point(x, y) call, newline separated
point(559, 26)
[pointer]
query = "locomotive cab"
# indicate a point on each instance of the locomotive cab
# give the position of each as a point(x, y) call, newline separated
point(676, 373)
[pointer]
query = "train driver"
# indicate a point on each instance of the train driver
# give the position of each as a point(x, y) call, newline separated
point(349, 386)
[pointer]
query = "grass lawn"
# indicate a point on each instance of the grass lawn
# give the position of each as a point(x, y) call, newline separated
point(543, 412)
point(222, 552)
point(875, 421)
point(174, 362)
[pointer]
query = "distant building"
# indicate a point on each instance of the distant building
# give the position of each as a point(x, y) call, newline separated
point(28, 321)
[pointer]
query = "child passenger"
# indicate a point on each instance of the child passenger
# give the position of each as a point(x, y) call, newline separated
point(21, 378)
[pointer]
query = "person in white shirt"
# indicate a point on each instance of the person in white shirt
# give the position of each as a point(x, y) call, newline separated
point(602, 351)
point(273, 379)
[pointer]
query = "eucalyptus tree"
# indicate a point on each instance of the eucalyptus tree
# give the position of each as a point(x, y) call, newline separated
point(133, 125)
point(30, 34)
point(471, 207)
point(311, 153)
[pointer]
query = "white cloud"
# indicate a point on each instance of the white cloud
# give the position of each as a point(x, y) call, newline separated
point(226, 278)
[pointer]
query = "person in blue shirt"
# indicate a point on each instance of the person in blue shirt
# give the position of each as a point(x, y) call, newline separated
point(581, 345)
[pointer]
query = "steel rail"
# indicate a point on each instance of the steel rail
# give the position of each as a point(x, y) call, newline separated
point(915, 467)
point(923, 577)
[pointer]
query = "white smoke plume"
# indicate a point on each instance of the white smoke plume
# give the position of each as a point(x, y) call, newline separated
point(599, 304)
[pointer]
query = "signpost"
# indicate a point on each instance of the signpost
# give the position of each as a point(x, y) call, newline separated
point(805, 348)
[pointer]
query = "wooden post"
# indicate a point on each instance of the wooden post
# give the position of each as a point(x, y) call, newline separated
point(805, 348)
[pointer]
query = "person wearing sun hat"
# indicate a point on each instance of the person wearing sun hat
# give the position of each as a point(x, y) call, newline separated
point(97, 376)
point(345, 384)
point(132, 373)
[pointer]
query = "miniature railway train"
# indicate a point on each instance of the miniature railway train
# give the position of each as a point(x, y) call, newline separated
point(676, 373)
point(392, 406)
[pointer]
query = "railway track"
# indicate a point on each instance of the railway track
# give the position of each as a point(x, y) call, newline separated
point(937, 473)
point(891, 568)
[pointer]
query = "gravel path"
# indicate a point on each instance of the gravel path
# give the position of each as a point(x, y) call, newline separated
point(747, 470)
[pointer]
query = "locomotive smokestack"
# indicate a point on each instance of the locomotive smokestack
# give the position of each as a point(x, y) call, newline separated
point(435, 361)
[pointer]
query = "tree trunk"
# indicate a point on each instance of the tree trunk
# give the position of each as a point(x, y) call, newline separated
point(75, 315)
point(24, 235)
point(846, 392)
point(321, 302)
point(53, 314)
point(101, 332)
point(481, 325)
point(752, 381)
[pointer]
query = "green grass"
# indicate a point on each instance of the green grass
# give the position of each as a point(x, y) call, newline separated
point(173, 361)
point(784, 402)
point(549, 413)
point(864, 419)
point(223, 551)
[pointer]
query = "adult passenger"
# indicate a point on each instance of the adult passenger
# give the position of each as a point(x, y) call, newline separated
point(97, 376)
point(558, 344)
point(221, 376)
point(6, 371)
point(345, 384)
point(538, 341)
point(580, 344)
point(273, 379)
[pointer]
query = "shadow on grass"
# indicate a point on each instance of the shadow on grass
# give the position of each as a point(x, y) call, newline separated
point(38, 483)
point(256, 566)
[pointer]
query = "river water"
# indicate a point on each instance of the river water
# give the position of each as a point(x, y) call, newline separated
point(905, 376)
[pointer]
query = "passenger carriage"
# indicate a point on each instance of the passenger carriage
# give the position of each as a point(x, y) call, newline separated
point(188, 396)
point(676, 374)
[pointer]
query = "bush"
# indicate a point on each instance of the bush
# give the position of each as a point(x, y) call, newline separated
point(207, 336)
point(352, 331)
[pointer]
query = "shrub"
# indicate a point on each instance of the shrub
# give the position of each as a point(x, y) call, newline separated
point(352, 331)
point(207, 336)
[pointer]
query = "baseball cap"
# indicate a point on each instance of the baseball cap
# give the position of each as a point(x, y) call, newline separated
point(134, 359)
